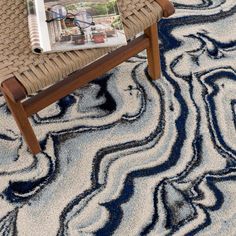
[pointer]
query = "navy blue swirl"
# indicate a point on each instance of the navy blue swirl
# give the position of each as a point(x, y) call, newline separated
point(104, 151)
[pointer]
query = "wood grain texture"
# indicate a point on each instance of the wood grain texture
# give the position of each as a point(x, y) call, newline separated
point(167, 6)
point(153, 52)
point(14, 89)
point(23, 123)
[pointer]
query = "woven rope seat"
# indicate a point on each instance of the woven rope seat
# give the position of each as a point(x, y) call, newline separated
point(36, 72)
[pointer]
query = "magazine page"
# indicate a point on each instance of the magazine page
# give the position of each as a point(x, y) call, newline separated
point(33, 27)
point(79, 24)
point(39, 36)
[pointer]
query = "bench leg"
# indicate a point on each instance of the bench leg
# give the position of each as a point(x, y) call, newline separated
point(23, 123)
point(153, 52)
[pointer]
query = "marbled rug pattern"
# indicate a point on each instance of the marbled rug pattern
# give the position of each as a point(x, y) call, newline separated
point(129, 156)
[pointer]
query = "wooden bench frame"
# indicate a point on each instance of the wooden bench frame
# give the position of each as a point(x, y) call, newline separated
point(22, 108)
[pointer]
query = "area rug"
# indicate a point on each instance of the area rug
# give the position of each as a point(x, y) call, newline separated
point(129, 156)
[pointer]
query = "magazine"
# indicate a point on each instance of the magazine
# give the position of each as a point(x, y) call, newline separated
point(64, 25)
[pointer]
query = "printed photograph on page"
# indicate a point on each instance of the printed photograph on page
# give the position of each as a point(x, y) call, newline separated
point(74, 24)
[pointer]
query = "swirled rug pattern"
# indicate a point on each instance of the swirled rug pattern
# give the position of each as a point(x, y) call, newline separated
point(129, 156)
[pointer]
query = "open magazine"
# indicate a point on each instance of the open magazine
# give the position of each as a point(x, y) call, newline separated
point(66, 25)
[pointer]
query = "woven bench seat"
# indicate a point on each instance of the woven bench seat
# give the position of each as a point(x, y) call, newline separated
point(36, 72)
point(30, 82)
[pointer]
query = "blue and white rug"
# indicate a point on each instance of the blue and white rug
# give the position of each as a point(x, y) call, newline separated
point(128, 156)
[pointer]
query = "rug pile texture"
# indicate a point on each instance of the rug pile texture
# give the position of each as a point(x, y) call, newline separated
point(128, 156)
